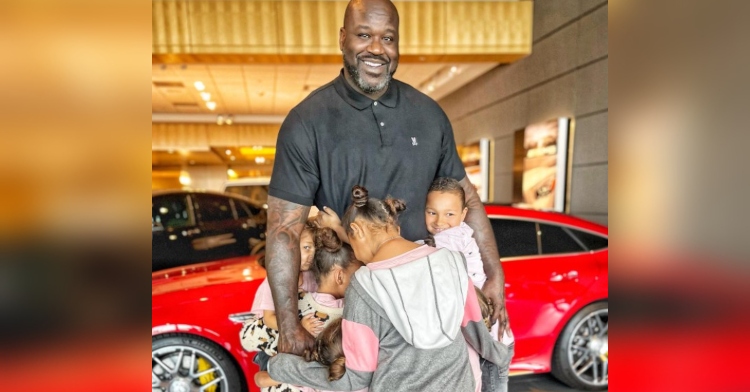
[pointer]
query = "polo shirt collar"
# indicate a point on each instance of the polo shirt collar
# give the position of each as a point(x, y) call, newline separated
point(360, 101)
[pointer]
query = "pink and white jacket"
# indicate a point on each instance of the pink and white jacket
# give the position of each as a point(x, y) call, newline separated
point(406, 326)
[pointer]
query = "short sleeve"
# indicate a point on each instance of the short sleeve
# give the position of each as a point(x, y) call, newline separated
point(450, 163)
point(295, 175)
point(263, 299)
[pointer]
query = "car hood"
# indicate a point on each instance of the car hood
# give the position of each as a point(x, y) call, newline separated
point(234, 270)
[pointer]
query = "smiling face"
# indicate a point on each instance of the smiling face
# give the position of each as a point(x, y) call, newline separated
point(307, 250)
point(443, 211)
point(369, 42)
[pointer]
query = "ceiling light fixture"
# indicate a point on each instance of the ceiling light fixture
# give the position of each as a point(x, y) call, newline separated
point(206, 96)
point(185, 178)
point(229, 152)
point(260, 160)
point(231, 173)
point(199, 86)
point(223, 118)
point(441, 77)
point(211, 105)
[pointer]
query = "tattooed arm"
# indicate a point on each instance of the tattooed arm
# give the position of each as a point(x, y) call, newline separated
point(285, 222)
point(494, 287)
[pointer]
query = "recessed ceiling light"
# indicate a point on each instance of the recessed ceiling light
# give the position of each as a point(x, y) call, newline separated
point(454, 69)
point(232, 158)
point(229, 152)
point(260, 160)
point(211, 105)
point(199, 86)
point(206, 96)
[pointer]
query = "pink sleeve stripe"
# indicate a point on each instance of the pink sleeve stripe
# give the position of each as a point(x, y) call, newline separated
point(360, 346)
point(471, 308)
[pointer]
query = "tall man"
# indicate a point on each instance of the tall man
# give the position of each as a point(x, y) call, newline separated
point(369, 129)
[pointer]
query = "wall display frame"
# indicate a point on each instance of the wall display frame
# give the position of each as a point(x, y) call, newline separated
point(476, 158)
point(540, 165)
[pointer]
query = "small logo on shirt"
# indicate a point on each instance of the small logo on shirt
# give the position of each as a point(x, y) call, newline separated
point(413, 141)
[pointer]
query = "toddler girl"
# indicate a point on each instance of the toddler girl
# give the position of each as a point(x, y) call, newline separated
point(333, 265)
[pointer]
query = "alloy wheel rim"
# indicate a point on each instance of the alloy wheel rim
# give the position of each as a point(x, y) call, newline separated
point(588, 349)
point(185, 369)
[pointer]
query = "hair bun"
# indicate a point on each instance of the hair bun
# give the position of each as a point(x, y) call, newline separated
point(395, 205)
point(327, 239)
point(359, 196)
point(337, 369)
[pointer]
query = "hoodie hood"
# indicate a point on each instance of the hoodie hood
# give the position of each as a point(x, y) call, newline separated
point(424, 299)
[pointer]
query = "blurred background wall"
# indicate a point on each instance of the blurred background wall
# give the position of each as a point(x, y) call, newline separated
point(566, 75)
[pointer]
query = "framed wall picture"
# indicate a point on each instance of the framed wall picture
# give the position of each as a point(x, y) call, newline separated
point(540, 165)
point(476, 159)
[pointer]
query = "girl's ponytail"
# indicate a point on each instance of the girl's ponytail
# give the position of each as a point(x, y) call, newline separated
point(337, 369)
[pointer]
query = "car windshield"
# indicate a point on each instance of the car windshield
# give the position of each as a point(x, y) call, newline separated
point(258, 194)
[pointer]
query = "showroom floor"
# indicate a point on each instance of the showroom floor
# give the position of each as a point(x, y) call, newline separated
point(537, 383)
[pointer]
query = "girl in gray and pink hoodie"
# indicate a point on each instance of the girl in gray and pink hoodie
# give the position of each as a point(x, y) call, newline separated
point(410, 314)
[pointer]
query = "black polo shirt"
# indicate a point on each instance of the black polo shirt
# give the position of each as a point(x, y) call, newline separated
point(337, 138)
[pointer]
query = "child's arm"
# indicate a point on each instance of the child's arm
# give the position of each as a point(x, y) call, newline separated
point(478, 337)
point(328, 218)
point(269, 318)
point(361, 346)
point(264, 380)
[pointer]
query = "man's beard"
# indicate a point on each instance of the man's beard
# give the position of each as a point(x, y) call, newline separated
point(362, 84)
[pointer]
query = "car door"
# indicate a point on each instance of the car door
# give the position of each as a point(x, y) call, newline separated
point(219, 227)
point(546, 270)
point(173, 228)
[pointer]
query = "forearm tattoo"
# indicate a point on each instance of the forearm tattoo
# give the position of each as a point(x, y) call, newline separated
point(285, 222)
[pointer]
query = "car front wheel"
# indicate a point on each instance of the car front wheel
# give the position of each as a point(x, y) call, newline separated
point(581, 357)
point(186, 363)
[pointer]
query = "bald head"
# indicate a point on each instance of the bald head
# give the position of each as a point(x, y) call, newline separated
point(369, 43)
point(384, 7)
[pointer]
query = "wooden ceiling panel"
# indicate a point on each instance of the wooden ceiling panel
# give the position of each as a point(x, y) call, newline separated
point(268, 89)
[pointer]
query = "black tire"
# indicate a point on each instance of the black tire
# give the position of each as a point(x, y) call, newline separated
point(581, 356)
point(170, 349)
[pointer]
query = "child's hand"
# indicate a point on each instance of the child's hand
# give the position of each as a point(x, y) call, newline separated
point(312, 324)
point(328, 218)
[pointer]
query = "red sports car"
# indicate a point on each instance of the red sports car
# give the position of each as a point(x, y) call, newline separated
point(556, 287)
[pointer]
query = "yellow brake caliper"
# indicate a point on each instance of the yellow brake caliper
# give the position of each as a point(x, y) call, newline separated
point(208, 377)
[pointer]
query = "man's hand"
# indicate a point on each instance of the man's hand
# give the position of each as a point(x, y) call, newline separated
point(295, 341)
point(494, 287)
point(496, 295)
